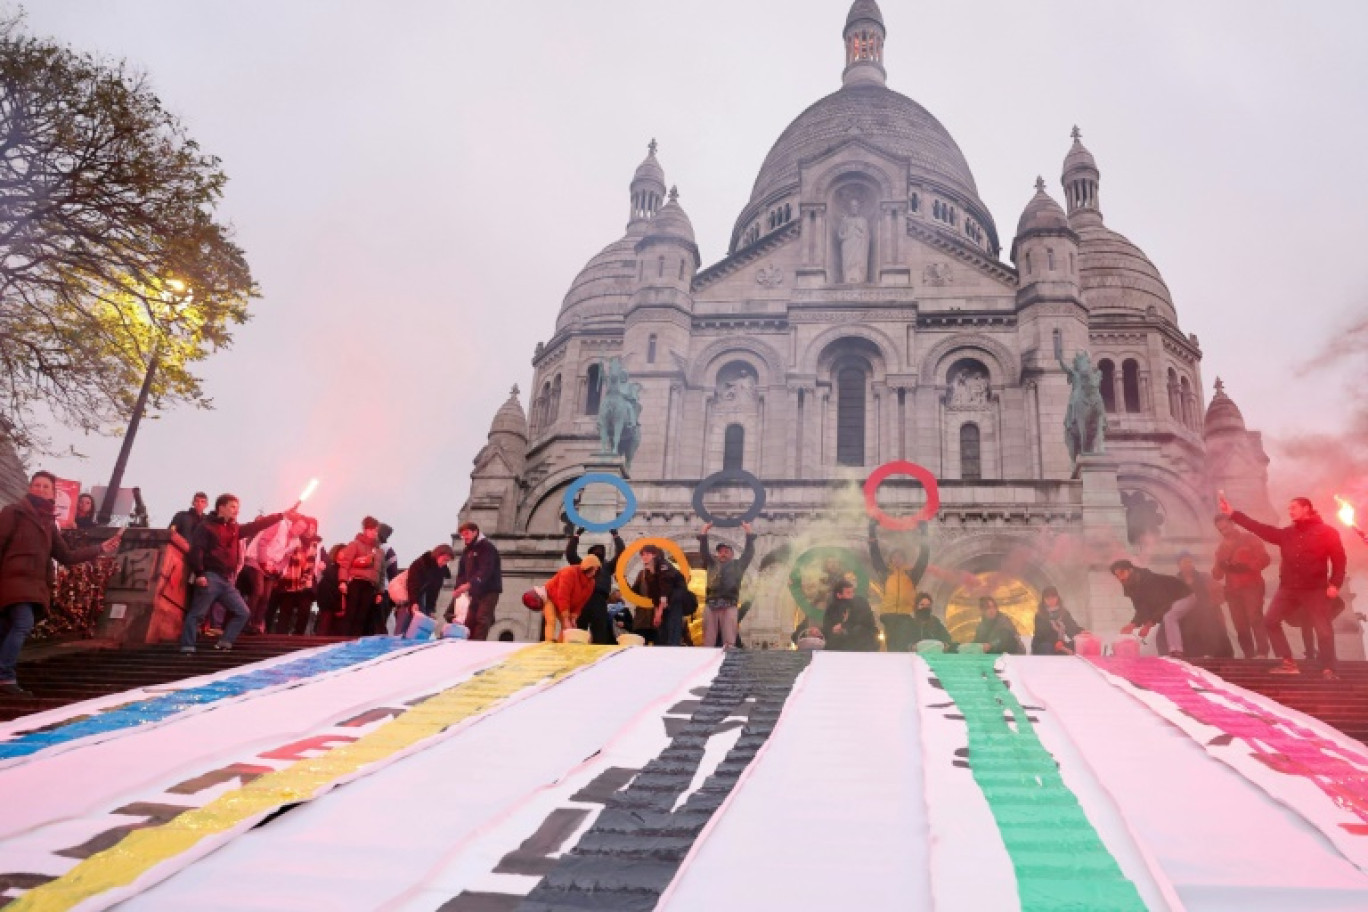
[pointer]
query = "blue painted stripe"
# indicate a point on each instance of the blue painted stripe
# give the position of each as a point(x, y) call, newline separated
point(162, 707)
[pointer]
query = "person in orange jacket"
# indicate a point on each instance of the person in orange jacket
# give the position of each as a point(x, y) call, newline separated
point(566, 595)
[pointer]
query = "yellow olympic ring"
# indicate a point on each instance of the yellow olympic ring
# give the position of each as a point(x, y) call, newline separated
point(664, 544)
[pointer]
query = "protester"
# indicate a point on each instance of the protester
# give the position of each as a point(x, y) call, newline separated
point(378, 620)
point(898, 607)
point(29, 543)
point(668, 590)
point(85, 512)
point(295, 590)
point(478, 574)
point(924, 625)
point(720, 611)
point(1204, 629)
point(1240, 562)
point(423, 583)
point(1157, 598)
point(215, 555)
point(595, 618)
point(996, 631)
point(566, 595)
point(360, 568)
point(185, 522)
point(263, 562)
point(848, 625)
point(1309, 578)
point(1055, 627)
point(332, 610)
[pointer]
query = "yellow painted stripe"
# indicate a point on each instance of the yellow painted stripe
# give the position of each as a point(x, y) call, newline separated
point(141, 850)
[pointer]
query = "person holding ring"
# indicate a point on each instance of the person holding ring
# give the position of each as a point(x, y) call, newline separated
point(724, 586)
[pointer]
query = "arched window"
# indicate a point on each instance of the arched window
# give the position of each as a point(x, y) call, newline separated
point(554, 407)
point(914, 202)
point(1175, 408)
point(1049, 258)
point(971, 460)
point(1108, 370)
point(1185, 391)
point(651, 349)
point(734, 447)
point(591, 398)
point(850, 416)
point(660, 267)
point(543, 403)
point(1028, 262)
point(1130, 384)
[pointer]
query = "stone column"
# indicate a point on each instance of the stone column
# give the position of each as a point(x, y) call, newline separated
point(1104, 534)
point(145, 599)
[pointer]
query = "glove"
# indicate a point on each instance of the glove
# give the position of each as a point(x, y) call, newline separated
point(579, 530)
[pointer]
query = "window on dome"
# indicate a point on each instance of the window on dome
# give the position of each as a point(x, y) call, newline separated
point(914, 202)
point(733, 447)
point(1130, 384)
point(971, 460)
point(1185, 391)
point(555, 400)
point(593, 382)
point(850, 416)
point(651, 349)
point(1175, 409)
point(660, 267)
point(1049, 258)
point(1108, 370)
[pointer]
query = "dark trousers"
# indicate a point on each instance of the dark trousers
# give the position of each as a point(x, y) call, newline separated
point(289, 612)
point(1313, 606)
point(218, 589)
point(1246, 613)
point(480, 615)
point(897, 632)
point(378, 616)
point(16, 621)
point(360, 601)
point(671, 629)
point(594, 618)
point(255, 588)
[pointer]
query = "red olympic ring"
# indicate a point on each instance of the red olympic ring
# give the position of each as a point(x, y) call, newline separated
point(901, 467)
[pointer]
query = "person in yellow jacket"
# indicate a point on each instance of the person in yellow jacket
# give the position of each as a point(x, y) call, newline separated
point(900, 588)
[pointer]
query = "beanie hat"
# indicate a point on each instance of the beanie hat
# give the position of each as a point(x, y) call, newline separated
point(590, 561)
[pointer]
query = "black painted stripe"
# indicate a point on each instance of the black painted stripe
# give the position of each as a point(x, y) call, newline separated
point(634, 849)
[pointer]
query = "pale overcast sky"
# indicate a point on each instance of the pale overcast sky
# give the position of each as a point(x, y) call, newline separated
point(416, 184)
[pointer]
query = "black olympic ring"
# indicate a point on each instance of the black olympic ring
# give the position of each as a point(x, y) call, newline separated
point(723, 477)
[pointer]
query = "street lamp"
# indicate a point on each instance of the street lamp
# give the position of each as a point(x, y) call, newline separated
point(116, 477)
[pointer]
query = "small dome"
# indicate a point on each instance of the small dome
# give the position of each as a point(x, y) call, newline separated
point(1042, 213)
point(1223, 414)
point(1114, 274)
point(510, 418)
point(603, 288)
point(1079, 158)
point(671, 221)
point(866, 10)
point(649, 169)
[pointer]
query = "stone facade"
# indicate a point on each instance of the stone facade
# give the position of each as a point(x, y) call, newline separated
point(863, 314)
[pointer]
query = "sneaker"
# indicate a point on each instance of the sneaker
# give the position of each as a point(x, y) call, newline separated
point(187, 650)
point(221, 646)
point(1329, 674)
point(1288, 667)
point(12, 689)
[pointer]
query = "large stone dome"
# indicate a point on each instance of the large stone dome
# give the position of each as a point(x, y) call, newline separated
point(882, 118)
point(603, 288)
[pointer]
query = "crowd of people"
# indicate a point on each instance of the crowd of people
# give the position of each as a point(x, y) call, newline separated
point(273, 574)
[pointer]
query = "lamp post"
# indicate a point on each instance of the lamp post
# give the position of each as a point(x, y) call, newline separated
point(116, 477)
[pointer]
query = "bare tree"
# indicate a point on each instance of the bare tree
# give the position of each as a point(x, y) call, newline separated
point(110, 255)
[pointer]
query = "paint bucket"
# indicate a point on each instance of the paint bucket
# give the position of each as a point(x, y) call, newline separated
point(1126, 646)
point(965, 648)
point(631, 639)
point(930, 646)
point(1085, 644)
point(577, 636)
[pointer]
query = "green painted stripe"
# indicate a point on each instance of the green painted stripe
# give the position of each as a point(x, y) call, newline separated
point(1060, 861)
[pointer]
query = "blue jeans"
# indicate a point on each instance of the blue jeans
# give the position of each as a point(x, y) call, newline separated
point(671, 630)
point(222, 591)
point(15, 623)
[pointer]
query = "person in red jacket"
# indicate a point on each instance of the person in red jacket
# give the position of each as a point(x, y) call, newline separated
point(1240, 562)
point(1309, 579)
point(566, 595)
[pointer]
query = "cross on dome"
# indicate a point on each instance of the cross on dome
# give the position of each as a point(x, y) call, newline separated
point(1076, 133)
point(651, 146)
point(1040, 184)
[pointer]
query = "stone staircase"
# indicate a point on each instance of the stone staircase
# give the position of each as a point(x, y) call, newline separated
point(74, 673)
point(1342, 704)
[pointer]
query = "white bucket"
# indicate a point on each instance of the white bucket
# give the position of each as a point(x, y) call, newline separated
point(631, 639)
point(577, 636)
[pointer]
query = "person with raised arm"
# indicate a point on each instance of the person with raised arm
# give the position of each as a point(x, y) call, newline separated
point(725, 573)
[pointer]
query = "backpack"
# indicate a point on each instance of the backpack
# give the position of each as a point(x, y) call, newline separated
point(398, 589)
point(690, 603)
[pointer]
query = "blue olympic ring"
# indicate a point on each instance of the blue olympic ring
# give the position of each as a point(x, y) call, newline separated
point(579, 484)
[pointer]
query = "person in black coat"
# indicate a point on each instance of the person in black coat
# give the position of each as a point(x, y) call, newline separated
point(849, 622)
point(479, 573)
point(1204, 630)
point(1055, 628)
point(996, 632)
point(1157, 598)
point(594, 617)
point(668, 591)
